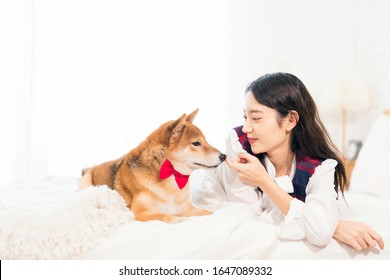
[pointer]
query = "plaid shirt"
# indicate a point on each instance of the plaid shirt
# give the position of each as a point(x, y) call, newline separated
point(305, 166)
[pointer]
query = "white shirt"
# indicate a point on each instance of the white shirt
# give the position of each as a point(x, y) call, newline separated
point(315, 219)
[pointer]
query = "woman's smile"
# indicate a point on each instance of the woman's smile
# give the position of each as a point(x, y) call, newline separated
point(252, 140)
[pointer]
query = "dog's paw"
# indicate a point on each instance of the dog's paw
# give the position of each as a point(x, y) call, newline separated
point(199, 212)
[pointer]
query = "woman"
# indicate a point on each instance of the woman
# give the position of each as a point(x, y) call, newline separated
point(284, 164)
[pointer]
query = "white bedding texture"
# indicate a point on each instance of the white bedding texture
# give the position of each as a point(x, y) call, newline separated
point(52, 220)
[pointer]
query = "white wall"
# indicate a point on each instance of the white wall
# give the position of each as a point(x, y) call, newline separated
point(98, 76)
point(311, 39)
point(372, 48)
point(372, 59)
point(13, 43)
point(83, 81)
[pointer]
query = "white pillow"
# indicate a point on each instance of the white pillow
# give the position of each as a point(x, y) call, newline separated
point(371, 172)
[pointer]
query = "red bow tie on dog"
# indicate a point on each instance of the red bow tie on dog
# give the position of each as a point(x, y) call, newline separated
point(167, 170)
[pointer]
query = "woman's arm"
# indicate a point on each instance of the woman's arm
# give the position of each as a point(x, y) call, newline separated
point(206, 189)
point(316, 219)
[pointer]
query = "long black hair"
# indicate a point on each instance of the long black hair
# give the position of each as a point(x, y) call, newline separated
point(284, 92)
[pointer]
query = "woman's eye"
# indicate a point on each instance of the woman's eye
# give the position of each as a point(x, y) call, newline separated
point(197, 143)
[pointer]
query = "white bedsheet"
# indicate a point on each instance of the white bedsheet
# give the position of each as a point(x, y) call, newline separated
point(230, 233)
point(98, 226)
point(370, 209)
point(235, 233)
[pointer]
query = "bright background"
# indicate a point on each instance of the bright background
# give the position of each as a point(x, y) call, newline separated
point(84, 81)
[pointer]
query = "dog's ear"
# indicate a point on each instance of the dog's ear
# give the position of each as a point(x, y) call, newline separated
point(192, 116)
point(177, 129)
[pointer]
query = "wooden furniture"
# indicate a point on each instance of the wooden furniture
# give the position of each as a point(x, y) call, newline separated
point(349, 165)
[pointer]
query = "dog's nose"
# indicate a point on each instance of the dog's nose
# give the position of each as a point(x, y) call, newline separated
point(222, 157)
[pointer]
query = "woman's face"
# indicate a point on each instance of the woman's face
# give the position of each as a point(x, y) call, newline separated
point(265, 134)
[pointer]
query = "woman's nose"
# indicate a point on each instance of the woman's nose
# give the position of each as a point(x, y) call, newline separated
point(246, 128)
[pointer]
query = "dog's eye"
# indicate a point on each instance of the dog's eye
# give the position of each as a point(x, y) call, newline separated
point(197, 143)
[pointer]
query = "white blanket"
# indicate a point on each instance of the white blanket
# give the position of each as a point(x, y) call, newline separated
point(51, 220)
point(235, 232)
point(230, 233)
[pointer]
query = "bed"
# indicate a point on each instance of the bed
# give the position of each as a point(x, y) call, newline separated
point(50, 219)
point(233, 233)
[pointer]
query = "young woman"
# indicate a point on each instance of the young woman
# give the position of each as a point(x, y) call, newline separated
point(284, 164)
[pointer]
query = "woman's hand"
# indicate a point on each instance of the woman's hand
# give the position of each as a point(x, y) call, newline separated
point(252, 172)
point(249, 169)
point(358, 235)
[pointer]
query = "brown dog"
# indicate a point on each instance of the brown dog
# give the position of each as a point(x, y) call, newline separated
point(152, 176)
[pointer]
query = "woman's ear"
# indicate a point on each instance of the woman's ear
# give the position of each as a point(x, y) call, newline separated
point(293, 119)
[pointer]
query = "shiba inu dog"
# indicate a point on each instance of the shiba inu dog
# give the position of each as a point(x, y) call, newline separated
point(152, 177)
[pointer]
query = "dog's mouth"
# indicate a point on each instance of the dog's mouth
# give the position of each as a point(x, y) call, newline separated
point(206, 166)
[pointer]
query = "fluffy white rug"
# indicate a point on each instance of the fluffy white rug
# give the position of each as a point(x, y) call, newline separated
point(52, 220)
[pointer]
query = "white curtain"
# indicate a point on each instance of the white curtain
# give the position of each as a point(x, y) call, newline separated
point(84, 81)
point(93, 78)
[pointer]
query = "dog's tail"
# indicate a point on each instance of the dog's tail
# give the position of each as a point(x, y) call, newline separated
point(86, 180)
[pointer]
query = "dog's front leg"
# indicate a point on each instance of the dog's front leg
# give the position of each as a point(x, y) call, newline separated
point(149, 216)
point(192, 210)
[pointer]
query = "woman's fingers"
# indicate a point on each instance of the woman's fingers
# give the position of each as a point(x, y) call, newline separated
point(362, 242)
point(245, 157)
point(356, 246)
point(377, 238)
point(367, 238)
point(236, 164)
point(231, 163)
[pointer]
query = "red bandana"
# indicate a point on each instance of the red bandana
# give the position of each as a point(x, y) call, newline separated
point(167, 170)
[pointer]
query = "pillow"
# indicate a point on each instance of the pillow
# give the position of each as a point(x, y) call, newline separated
point(370, 174)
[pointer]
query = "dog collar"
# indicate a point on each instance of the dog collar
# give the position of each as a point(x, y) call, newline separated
point(167, 170)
